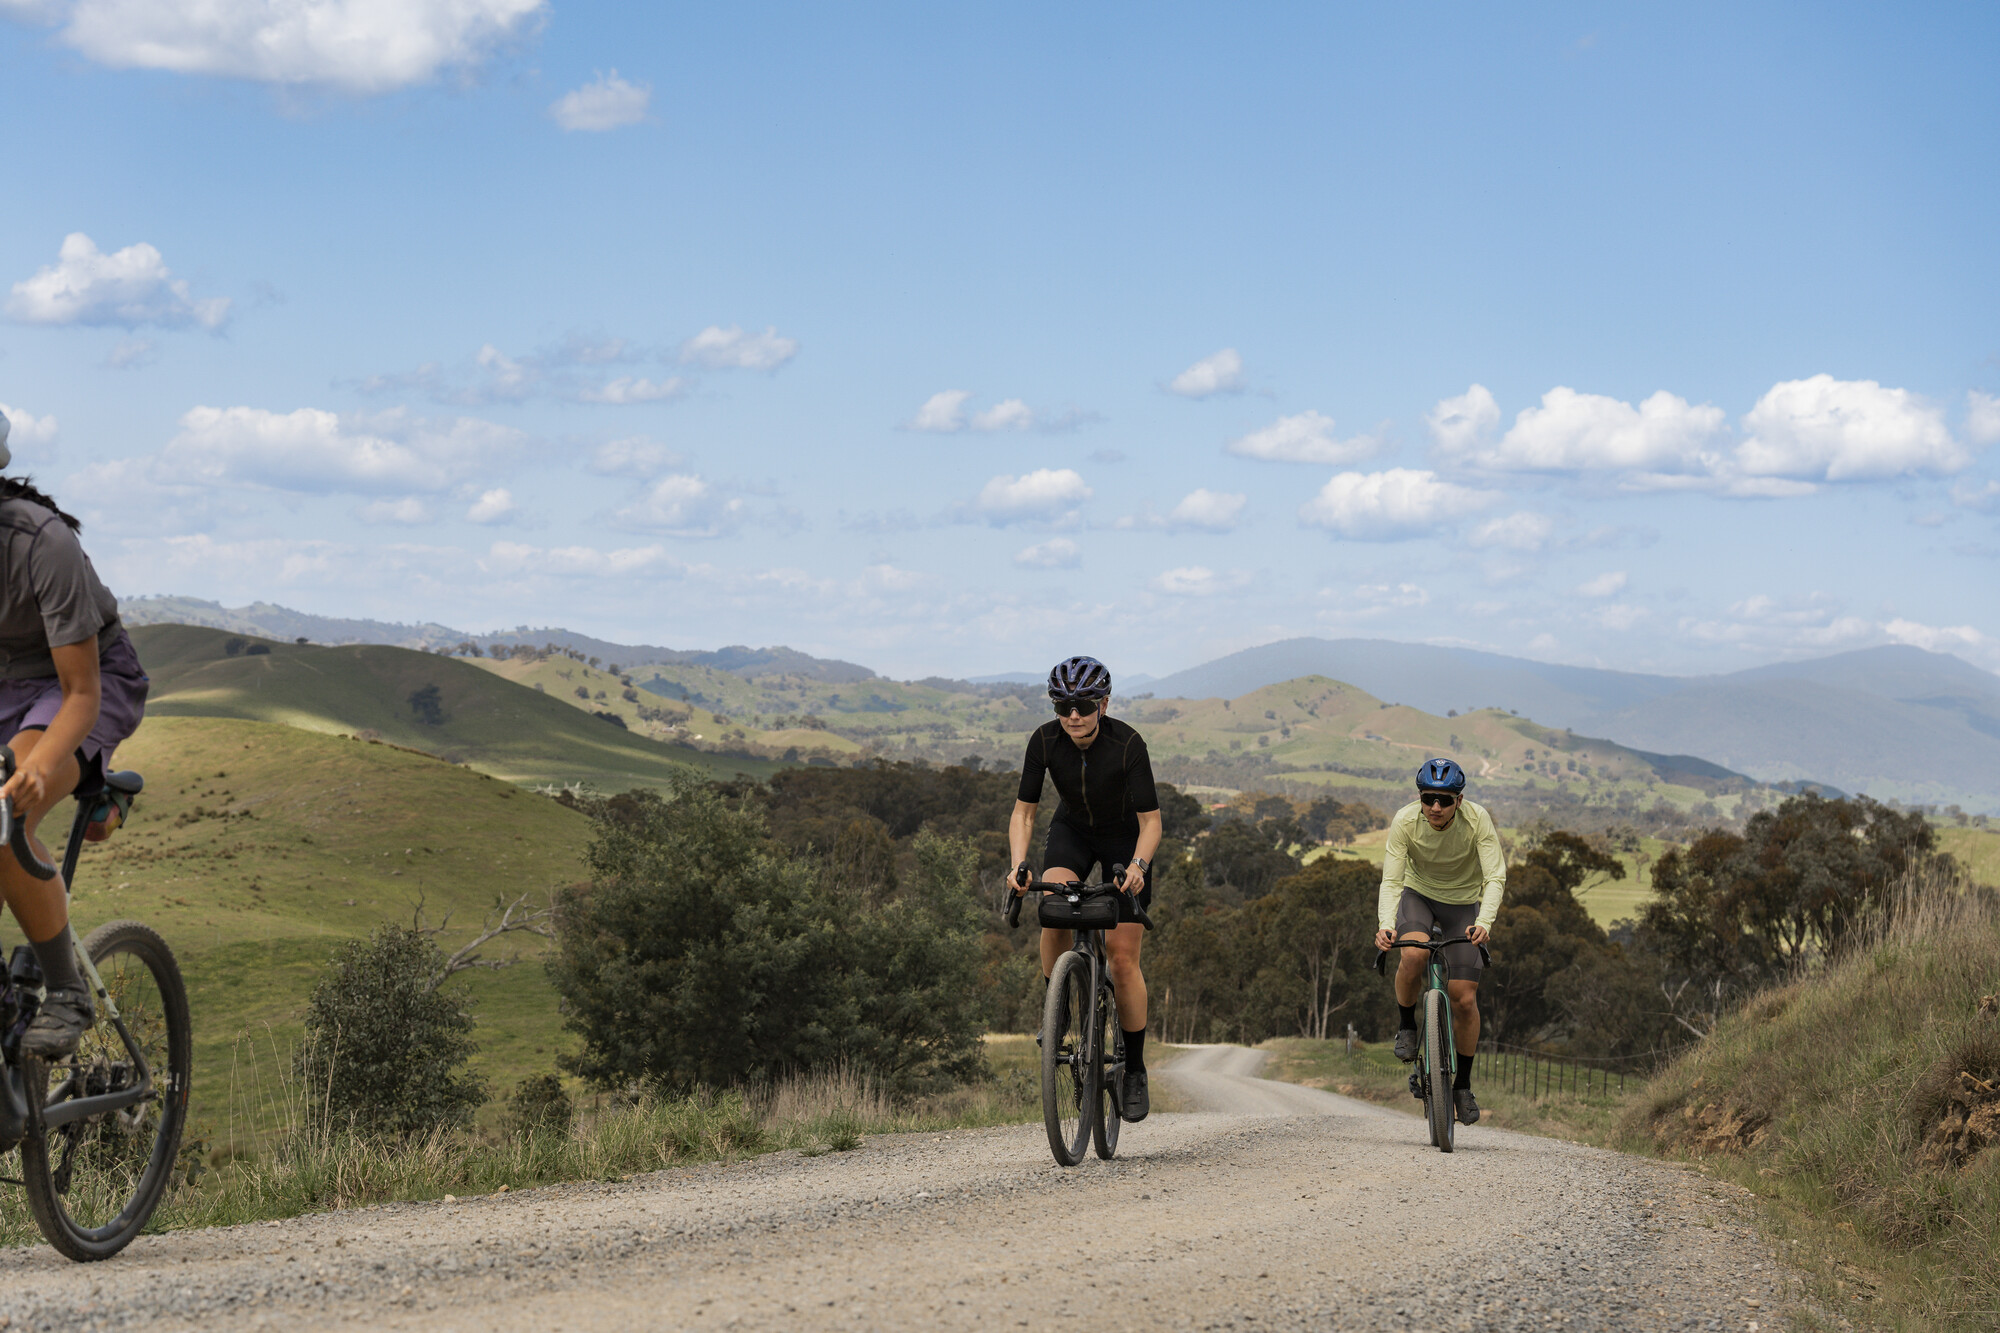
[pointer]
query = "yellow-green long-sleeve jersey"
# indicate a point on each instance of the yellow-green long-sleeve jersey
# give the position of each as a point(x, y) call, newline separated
point(1461, 864)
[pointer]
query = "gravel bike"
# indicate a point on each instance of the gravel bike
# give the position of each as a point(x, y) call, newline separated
point(1083, 1045)
point(1430, 1081)
point(100, 1130)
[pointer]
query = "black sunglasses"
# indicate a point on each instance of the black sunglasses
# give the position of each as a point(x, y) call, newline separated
point(1439, 798)
point(1080, 707)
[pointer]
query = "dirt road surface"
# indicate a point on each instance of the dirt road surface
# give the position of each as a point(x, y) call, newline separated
point(1272, 1207)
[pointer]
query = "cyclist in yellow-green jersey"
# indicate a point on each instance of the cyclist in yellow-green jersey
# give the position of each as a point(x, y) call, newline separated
point(1442, 863)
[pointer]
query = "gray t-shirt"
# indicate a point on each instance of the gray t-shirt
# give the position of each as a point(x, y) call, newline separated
point(49, 594)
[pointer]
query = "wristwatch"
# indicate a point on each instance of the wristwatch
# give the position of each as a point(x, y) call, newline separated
point(1141, 864)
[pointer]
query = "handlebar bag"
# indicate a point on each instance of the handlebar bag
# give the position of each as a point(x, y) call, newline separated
point(1071, 911)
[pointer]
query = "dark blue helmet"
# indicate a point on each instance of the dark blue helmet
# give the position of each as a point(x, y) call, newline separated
point(1079, 678)
point(1440, 775)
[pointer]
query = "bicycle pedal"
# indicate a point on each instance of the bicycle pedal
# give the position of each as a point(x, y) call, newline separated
point(1416, 1087)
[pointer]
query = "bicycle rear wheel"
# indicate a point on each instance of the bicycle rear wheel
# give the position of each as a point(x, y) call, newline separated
point(1439, 1068)
point(1110, 1045)
point(1069, 1075)
point(93, 1183)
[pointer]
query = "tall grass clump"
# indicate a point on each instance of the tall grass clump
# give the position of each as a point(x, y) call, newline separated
point(1866, 1098)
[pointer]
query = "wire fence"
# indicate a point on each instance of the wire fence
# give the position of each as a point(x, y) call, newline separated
point(1538, 1074)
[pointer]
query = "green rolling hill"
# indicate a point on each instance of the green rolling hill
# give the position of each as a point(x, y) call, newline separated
point(475, 717)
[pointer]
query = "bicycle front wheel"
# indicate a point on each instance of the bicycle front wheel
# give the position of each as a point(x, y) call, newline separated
point(1440, 1067)
point(1110, 1063)
point(1069, 1074)
point(93, 1183)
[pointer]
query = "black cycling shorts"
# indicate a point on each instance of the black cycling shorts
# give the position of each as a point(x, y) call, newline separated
point(1414, 914)
point(1077, 850)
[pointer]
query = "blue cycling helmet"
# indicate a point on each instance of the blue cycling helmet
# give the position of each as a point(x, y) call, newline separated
point(1440, 775)
point(1079, 678)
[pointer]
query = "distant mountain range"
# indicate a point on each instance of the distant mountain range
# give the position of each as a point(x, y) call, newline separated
point(1893, 722)
point(278, 622)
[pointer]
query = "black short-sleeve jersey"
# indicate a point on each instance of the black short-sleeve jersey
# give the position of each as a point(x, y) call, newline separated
point(1104, 788)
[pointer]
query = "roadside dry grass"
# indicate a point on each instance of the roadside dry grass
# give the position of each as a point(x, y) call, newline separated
point(256, 1176)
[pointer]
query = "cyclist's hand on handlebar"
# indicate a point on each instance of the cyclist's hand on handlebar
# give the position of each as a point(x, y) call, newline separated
point(28, 787)
point(1131, 880)
point(1477, 935)
point(1020, 878)
point(1383, 939)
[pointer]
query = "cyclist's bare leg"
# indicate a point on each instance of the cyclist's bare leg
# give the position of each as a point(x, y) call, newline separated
point(1056, 943)
point(1410, 964)
point(41, 906)
point(1121, 948)
point(1464, 1015)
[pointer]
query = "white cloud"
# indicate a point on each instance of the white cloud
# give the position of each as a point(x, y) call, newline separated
point(1380, 597)
point(1620, 616)
point(681, 505)
point(1937, 639)
point(1198, 581)
point(1604, 585)
point(1984, 498)
point(1384, 506)
point(1055, 553)
point(132, 354)
point(588, 561)
point(1587, 432)
point(1459, 423)
point(409, 510)
point(494, 506)
point(634, 456)
point(1046, 494)
point(607, 102)
point(942, 412)
point(312, 450)
point(1305, 438)
point(1523, 531)
point(27, 428)
point(1212, 511)
point(1012, 414)
point(1824, 429)
point(1221, 373)
point(1982, 418)
point(360, 46)
point(718, 348)
point(629, 389)
point(127, 288)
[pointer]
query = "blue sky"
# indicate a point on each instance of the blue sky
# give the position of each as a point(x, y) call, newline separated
point(958, 339)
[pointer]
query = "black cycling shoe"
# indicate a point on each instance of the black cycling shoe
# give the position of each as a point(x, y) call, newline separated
point(1467, 1106)
point(1135, 1104)
point(64, 1017)
point(1407, 1042)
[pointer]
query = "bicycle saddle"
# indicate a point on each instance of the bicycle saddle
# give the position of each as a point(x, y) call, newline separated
point(126, 781)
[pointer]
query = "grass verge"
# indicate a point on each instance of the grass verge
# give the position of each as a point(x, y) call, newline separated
point(300, 1170)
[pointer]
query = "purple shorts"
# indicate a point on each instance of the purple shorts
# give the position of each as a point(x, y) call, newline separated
point(29, 704)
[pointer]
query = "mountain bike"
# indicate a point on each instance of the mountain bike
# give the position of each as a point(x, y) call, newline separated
point(100, 1130)
point(1083, 1045)
point(1430, 1081)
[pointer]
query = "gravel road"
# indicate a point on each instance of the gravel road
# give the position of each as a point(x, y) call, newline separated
point(1272, 1207)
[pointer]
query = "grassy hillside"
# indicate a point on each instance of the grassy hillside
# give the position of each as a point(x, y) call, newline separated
point(1864, 1105)
point(256, 847)
point(482, 721)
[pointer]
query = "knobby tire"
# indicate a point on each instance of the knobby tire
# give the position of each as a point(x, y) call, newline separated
point(93, 1184)
point(1440, 1068)
point(1069, 1076)
point(1110, 1055)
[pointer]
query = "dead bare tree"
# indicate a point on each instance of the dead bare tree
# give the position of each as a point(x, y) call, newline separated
point(502, 918)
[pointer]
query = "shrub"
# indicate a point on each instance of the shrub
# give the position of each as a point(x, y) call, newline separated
point(385, 1047)
point(539, 1105)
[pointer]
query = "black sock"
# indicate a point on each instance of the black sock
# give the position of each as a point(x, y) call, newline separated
point(1409, 1013)
point(1135, 1051)
point(57, 956)
point(1464, 1079)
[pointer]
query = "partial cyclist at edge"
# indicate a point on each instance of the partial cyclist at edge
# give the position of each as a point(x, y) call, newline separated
point(1442, 864)
point(71, 689)
point(1108, 815)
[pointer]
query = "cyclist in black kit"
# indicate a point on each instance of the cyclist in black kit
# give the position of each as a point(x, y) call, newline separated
point(1109, 815)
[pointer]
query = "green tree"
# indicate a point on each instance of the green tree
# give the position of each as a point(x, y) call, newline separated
point(385, 1044)
point(1540, 934)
